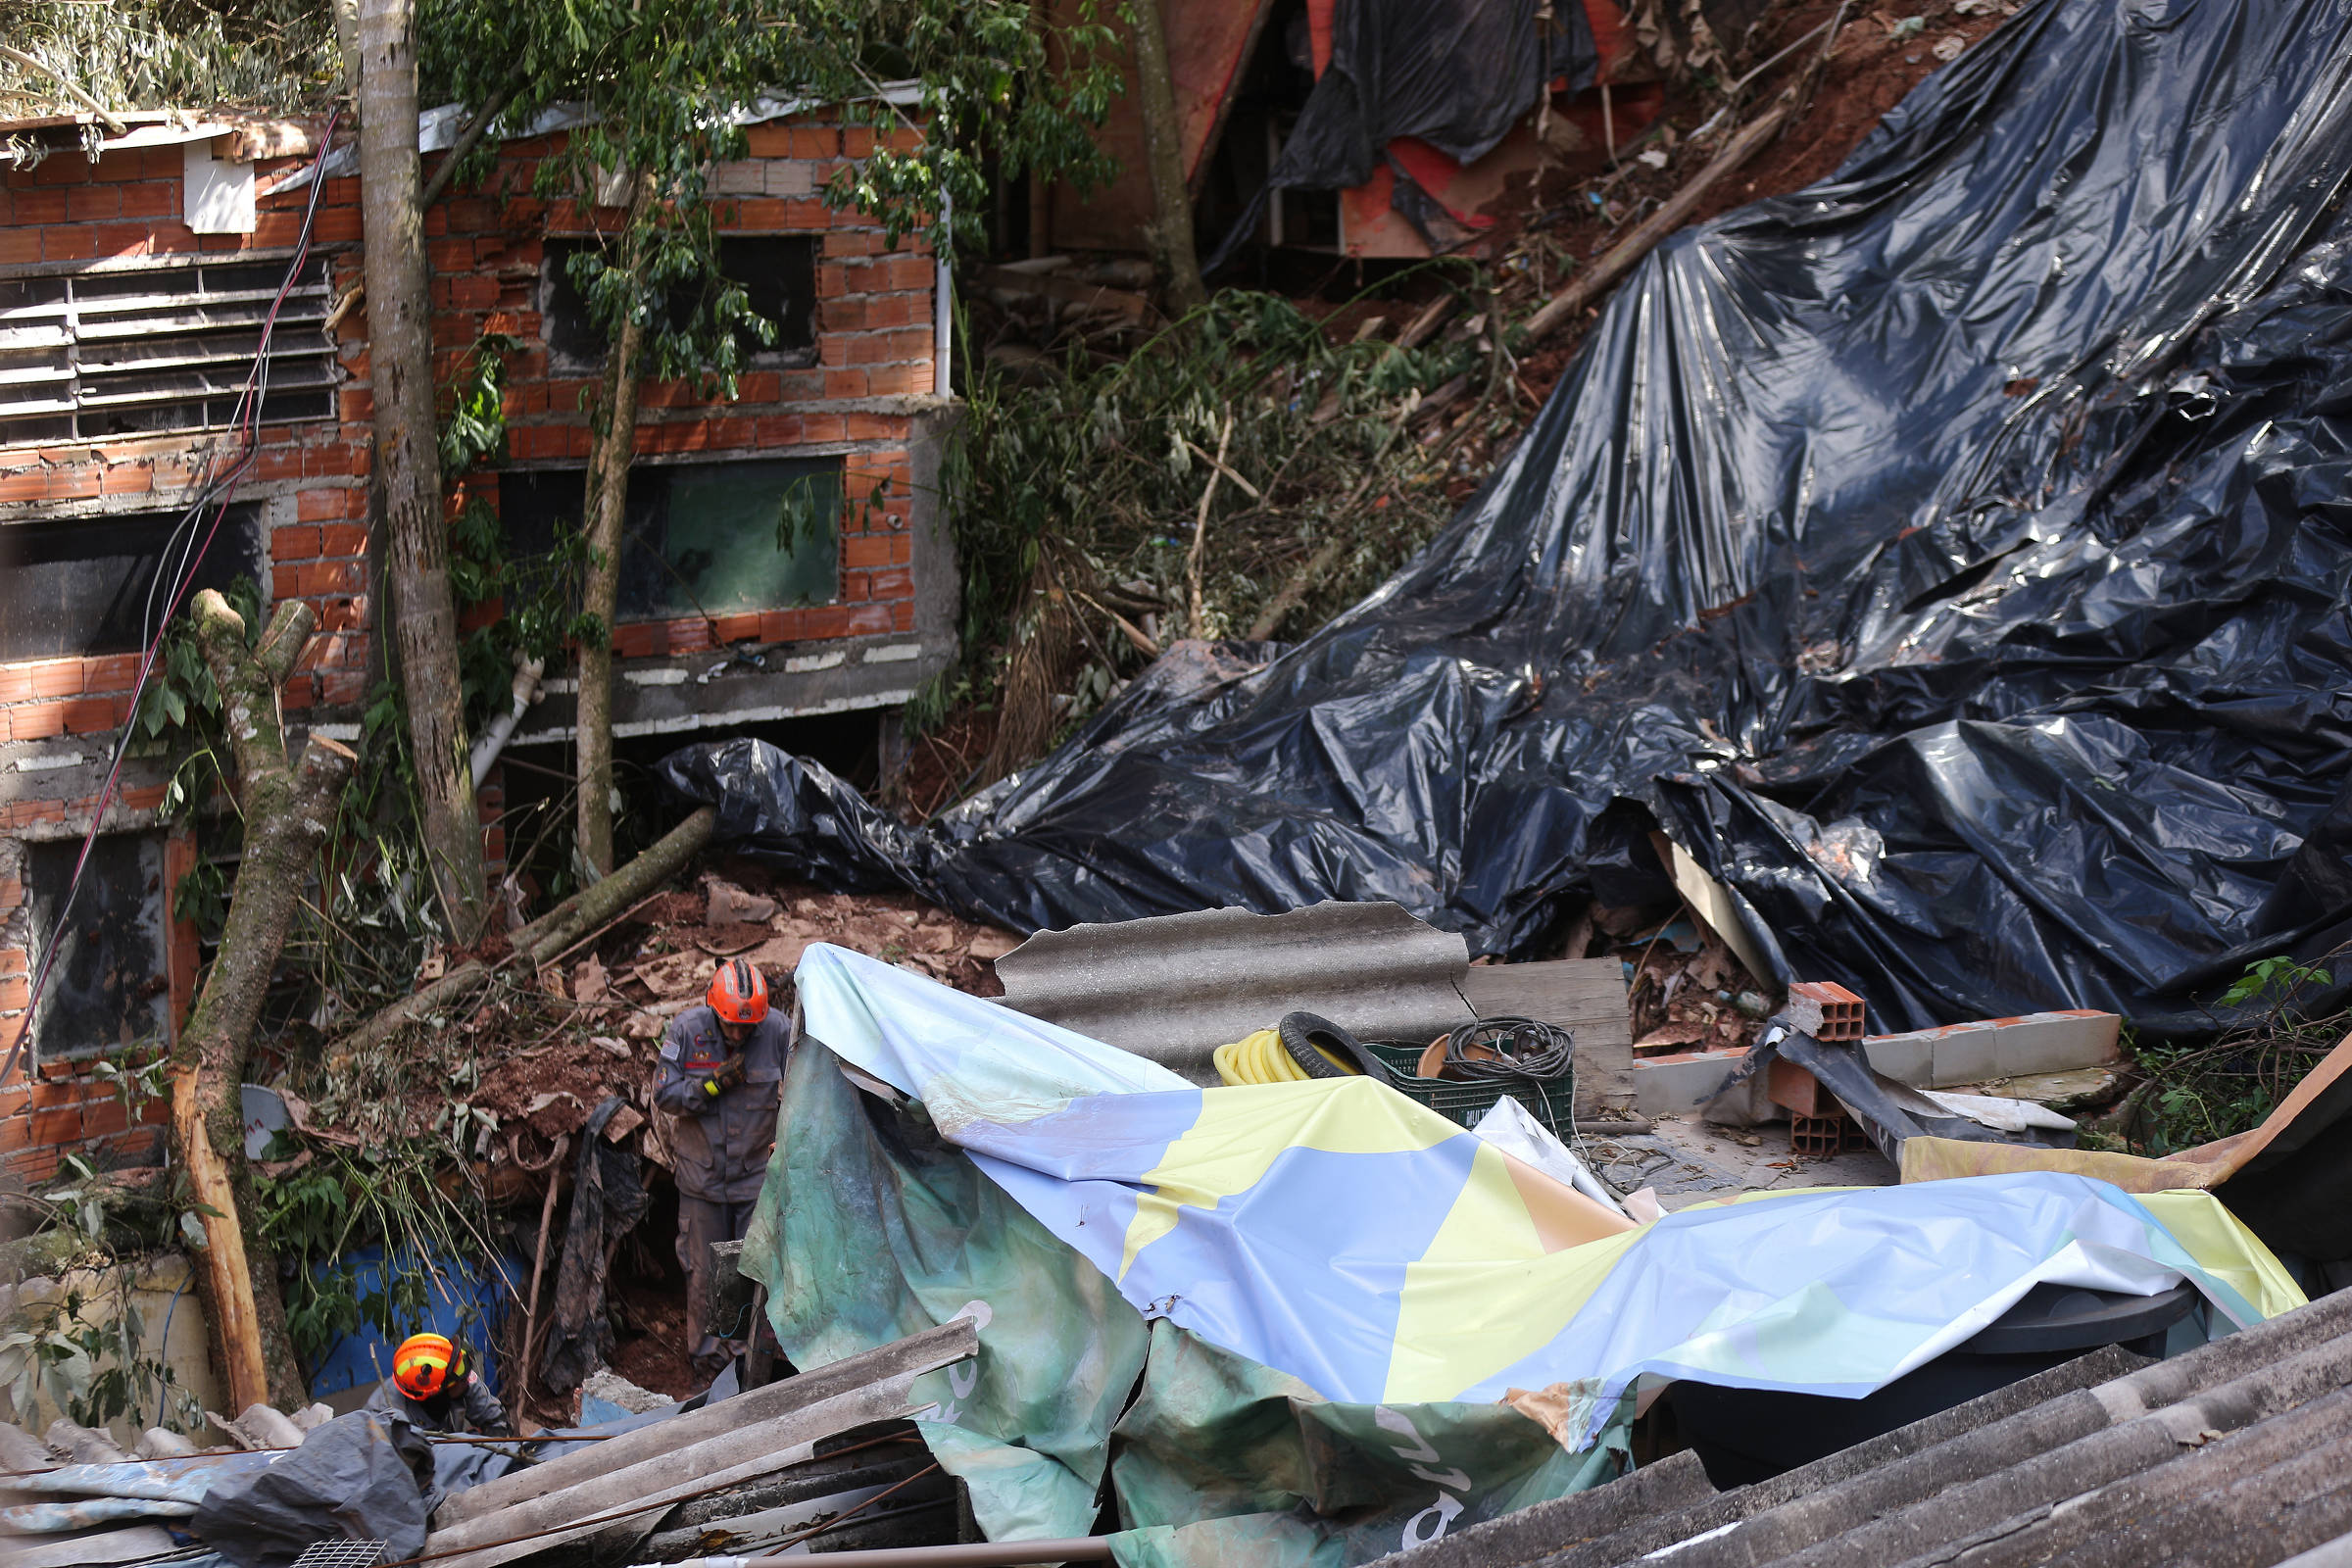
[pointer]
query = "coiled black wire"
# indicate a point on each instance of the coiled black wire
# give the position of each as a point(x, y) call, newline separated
point(1526, 1049)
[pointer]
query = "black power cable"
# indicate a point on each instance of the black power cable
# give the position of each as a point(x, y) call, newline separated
point(1509, 1051)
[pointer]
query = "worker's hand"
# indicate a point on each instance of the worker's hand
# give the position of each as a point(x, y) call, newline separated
point(723, 1076)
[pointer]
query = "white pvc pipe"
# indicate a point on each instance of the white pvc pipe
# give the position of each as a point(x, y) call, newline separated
point(493, 740)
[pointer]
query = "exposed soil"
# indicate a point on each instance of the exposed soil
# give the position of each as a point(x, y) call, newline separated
point(1870, 71)
point(651, 1348)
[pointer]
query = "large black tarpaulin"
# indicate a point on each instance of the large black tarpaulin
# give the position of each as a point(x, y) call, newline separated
point(1954, 554)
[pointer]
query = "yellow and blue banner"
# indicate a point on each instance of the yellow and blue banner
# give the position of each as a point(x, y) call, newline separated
point(1346, 1236)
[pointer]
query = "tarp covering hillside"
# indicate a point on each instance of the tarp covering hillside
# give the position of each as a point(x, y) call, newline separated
point(1953, 554)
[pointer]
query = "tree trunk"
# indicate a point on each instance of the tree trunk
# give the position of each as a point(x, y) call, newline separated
point(287, 808)
point(408, 468)
point(1171, 232)
point(604, 511)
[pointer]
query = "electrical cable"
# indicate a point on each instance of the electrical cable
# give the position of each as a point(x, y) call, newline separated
point(246, 421)
point(1508, 1051)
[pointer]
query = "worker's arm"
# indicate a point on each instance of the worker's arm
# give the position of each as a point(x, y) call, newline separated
point(673, 1091)
point(684, 1090)
point(483, 1413)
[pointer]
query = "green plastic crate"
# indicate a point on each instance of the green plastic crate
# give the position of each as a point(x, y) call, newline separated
point(1550, 1102)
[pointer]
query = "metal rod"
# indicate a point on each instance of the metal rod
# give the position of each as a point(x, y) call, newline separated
point(977, 1554)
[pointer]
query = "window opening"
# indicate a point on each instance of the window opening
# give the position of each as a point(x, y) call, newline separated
point(701, 538)
point(82, 586)
point(777, 274)
point(110, 985)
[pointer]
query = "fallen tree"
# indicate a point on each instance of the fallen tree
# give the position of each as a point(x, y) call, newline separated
point(287, 807)
point(578, 917)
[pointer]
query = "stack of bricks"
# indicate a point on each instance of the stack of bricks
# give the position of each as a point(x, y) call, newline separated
point(309, 481)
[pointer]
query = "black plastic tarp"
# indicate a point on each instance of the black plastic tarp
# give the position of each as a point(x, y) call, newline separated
point(1455, 74)
point(1954, 554)
point(359, 1476)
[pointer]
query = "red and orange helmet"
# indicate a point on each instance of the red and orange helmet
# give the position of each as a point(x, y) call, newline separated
point(738, 993)
point(427, 1364)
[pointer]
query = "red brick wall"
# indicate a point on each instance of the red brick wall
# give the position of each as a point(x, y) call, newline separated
point(875, 349)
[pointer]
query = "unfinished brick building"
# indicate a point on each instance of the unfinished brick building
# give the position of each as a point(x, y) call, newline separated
point(136, 269)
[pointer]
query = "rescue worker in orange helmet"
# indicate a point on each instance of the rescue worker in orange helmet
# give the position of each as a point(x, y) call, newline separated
point(720, 1077)
point(434, 1388)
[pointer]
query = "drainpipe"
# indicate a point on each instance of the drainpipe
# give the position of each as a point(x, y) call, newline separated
point(494, 739)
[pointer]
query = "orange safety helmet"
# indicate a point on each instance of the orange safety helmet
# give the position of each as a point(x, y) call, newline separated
point(426, 1365)
point(738, 993)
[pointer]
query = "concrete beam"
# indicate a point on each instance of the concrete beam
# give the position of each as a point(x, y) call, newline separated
point(1998, 1047)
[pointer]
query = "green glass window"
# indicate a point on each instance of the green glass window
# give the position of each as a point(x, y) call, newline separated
point(703, 538)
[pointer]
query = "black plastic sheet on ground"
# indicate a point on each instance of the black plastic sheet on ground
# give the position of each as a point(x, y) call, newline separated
point(1954, 554)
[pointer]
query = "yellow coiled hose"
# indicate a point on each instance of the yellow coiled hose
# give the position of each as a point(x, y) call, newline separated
point(1259, 1059)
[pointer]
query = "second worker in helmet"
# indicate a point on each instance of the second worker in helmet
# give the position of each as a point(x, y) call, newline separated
point(720, 1077)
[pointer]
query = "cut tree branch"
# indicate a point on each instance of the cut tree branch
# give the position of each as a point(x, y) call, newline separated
point(1621, 256)
point(583, 915)
point(466, 142)
point(288, 809)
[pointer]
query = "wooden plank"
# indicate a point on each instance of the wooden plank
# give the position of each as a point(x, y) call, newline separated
point(953, 1340)
point(728, 1459)
point(1586, 994)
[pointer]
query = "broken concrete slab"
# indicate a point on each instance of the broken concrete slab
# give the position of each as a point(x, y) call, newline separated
point(2078, 1089)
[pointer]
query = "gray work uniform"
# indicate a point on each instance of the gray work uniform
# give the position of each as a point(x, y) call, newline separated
point(469, 1407)
point(723, 1143)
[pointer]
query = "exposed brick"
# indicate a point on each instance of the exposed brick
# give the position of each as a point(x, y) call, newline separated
point(149, 199)
point(325, 577)
point(902, 380)
point(294, 544)
point(27, 208)
point(57, 678)
point(61, 244)
point(89, 203)
point(896, 583)
point(639, 639)
point(51, 1128)
point(90, 715)
point(319, 505)
point(35, 721)
point(344, 538)
point(115, 672)
point(738, 628)
point(865, 550)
